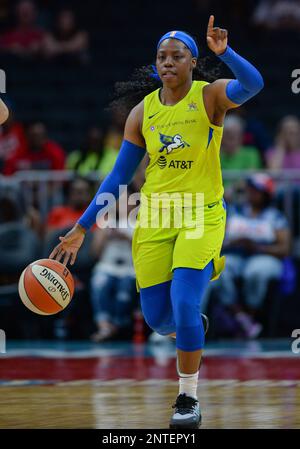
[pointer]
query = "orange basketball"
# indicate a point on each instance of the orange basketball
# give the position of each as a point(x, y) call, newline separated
point(46, 286)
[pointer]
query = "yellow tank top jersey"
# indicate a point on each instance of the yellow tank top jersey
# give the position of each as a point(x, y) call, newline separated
point(183, 147)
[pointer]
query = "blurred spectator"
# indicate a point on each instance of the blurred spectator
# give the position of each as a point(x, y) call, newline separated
point(114, 134)
point(255, 132)
point(40, 153)
point(22, 209)
point(257, 241)
point(12, 204)
point(113, 289)
point(286, 152)
point(67, 41)
point(4, 11)
point(12, 139)
point(92, 155)
point(19, 245)
point(26, 38)
point(79, 197)
point(235, 156)
point(278, 14)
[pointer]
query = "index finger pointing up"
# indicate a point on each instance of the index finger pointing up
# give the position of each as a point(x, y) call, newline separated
point(210, 23)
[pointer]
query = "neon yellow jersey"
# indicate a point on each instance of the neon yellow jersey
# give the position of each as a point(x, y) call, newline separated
point(183, 147)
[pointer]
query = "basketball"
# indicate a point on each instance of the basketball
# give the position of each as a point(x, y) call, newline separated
point(46, 287)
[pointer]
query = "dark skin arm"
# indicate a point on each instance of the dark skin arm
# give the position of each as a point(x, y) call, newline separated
point(133, 126)
point(216, 102)
point(70, 244)
point(214, 94)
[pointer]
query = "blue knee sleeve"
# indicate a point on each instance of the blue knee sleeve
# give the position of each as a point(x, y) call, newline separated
point(157, 308)
point(187, 289)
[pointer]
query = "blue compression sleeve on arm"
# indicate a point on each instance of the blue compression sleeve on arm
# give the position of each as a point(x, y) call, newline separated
point(128, 160)
point(249, 81)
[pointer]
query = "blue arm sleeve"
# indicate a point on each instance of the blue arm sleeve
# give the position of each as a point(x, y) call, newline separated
point(249, 81)
point(128, 160)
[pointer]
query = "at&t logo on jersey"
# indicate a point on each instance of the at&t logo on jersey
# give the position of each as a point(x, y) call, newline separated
point(162, 162)
point(183, 165)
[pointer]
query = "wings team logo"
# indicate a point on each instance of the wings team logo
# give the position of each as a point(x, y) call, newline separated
point(171, 143)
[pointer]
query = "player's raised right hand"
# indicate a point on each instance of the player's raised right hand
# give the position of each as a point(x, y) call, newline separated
point(69, 245)
point(216, 37)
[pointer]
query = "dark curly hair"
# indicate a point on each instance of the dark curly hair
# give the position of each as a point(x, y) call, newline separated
point(128, 94)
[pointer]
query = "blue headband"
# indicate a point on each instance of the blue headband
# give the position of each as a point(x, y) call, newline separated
point(183, 37)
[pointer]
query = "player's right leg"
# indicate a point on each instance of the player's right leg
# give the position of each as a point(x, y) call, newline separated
point(152, 251)
point(157, 308)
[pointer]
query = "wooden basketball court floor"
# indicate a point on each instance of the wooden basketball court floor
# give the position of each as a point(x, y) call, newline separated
point(127, 386)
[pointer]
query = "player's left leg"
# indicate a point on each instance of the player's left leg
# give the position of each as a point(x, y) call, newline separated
point(197, 249)
point(188, 287)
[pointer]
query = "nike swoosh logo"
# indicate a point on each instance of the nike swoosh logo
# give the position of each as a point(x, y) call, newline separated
point(212, 205)
point(153, 114)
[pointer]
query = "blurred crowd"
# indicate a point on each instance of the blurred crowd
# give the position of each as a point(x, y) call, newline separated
point(36, 208)
point(277, 14)
point(61, 40)
point(246, 145)
point(29, 147)
point(258, 239)
point(265, 14)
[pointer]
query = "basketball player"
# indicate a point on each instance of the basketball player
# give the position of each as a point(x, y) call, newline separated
point(180, 125)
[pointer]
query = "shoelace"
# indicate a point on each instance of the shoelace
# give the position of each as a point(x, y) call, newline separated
point(184, 403)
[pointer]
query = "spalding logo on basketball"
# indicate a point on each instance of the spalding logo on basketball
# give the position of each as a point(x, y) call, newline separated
point(46, 287)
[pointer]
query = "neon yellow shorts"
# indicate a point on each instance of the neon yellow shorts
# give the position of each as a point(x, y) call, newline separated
point(158, 251)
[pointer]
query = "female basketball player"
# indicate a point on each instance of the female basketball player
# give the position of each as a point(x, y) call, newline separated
point(180, 126)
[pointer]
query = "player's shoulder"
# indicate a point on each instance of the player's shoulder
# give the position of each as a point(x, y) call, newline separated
point(134, 123)
point(136, 114)
point(216, 85)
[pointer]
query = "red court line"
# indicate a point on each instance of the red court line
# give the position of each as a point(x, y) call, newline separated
point(141, 368)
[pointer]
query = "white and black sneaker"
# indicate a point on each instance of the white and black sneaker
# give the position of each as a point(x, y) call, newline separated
point(187, 413)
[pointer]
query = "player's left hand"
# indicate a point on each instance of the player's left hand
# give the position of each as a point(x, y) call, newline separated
point(217, 38)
